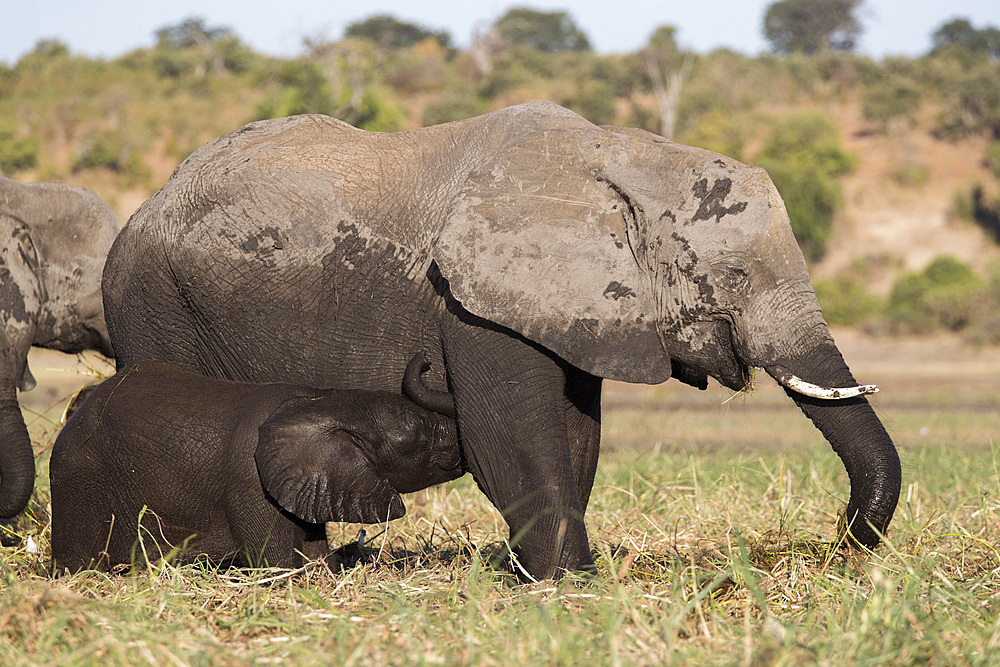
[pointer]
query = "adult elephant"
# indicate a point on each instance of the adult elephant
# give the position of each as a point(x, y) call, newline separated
point(54, 239)
point(531, 254)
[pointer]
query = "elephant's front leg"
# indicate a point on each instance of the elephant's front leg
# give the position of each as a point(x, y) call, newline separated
point(583, 425)
point(511, 407)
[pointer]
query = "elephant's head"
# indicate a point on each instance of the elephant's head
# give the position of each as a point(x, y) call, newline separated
point(347, 457)
point(54, 239)
point(635, 258)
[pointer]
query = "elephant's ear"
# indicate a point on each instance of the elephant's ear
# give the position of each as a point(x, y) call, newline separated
point(539, 242)
point(315, 469)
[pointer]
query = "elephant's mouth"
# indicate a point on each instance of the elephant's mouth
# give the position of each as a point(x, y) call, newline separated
point(720, 358)
point(735, 373)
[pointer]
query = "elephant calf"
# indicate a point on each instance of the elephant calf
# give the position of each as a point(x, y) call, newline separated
point(158, 458)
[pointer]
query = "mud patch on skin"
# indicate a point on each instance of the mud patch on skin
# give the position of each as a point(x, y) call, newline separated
point(615, 290)
point(265, 243)
point(685, 263)
point(12, 302)
point(712, 200)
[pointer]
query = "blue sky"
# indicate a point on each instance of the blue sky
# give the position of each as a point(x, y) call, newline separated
point(109, 28)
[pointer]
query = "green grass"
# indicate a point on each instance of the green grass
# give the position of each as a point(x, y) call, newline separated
point(716, 558)
point(708, 550)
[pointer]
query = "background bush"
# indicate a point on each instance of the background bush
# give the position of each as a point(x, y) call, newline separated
point(17, 154)
point(846, 301)
point(804, 158)
point(942, 296)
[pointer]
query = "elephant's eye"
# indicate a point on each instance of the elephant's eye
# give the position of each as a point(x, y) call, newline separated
point(734, 279)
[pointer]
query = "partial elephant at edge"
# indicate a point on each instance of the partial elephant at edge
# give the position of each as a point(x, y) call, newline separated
point(54, 240)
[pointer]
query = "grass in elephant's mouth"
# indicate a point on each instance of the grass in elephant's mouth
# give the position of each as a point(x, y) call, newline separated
point(748, 386)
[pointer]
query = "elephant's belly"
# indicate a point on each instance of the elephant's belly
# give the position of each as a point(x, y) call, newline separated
point(357, 331)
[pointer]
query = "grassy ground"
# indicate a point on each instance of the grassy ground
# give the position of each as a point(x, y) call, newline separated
point(709, 522)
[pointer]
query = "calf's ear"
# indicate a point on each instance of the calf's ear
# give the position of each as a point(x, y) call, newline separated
point(314, 468)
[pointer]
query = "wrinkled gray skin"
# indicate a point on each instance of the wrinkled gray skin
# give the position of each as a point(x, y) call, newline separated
point(242, 473)
point(54, 239)
point(531, 254)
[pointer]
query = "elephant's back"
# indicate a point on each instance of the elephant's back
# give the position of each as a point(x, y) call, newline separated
point(145, 405)
point(313, 175)
point(242, 169)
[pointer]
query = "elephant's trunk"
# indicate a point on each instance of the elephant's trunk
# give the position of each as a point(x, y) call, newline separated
point(17, 461)
point(855, 433)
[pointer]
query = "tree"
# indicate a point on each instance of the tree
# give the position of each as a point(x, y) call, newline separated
point(959, 32)
point(545, 31)
point(811, 26)
point(190, 32)
point(45, 54)
point(339, 79)
point(391, 33)
point(192, 47)
point(667, 68)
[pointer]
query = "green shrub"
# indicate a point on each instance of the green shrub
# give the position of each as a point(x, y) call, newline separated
point(594, 100)
point(717, 131)
point(17, 154)
point(509, 72)
point(303, 89)
point(846, 301)
point(110, 149)
point(887, 101)
point(695, 104)
point(106, 149)
point(803, 157)
point(985, 326)
point(418, 69)
point(970, 101)
point(456, 105)
point(622, 73)
point(943, 295)
point(643, 117)
point(375, 113)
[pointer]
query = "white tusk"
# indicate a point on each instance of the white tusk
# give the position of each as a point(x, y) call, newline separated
point(809, 389)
